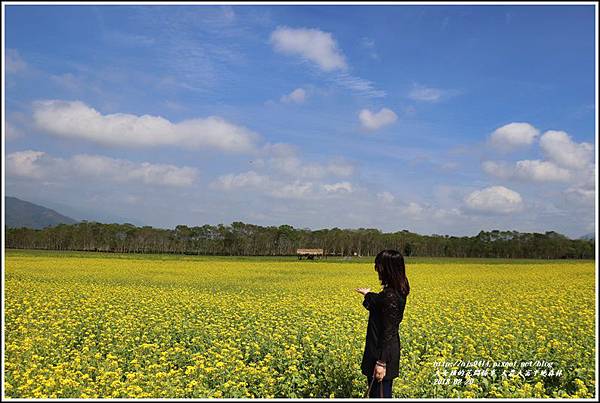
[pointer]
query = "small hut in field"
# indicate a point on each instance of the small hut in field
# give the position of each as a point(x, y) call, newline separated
point(309, 254)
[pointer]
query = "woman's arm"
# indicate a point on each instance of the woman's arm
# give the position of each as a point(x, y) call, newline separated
point(371, 301)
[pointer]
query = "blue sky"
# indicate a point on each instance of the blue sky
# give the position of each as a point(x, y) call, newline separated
point(436, 119)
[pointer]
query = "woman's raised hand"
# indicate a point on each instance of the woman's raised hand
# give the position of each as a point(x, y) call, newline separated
point(363, 291)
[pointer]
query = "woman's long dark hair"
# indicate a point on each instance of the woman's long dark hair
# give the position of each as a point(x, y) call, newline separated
point(392, 273)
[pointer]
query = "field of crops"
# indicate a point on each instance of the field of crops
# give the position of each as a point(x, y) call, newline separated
point(91, 325)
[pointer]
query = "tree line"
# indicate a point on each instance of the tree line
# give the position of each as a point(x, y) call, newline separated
point(240, 239)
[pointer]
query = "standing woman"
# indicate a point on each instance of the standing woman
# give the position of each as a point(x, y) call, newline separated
point(381, 358)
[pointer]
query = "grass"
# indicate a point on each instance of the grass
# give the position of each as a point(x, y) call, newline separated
point(211, 258)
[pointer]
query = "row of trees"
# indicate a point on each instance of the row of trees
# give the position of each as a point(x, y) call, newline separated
point(240, 239)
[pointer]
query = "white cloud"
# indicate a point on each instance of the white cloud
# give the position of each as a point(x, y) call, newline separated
point(26, 164)
point(359, 85)
point(310, 44)
point(426, 94)
point(131, 199)
point(14, 63)
point(386, 197)
point(283, 159)
point(117, 38)
point(422, 93)
point(245, 179)
point(528, 170)
point(413, 209)
point(295, 190)
point(498, 169)
point(253, 181)
point(279, 149)
point(338, 187)
point(79, 121)
point(581, 196)
point(444, 214)
point(122, 170)
point(287, 176)
point(373, 121)
point(369, 45)
point(541, 171)
point(39, 165)
point(416, 212)
point(338, 167)
point(558, 147)
point(321, 48)
point(69, 81)
point(12, 132)
point(495, 199)
point(297, 96)
point(294, 166)
point(513, 135)
point(567, 162)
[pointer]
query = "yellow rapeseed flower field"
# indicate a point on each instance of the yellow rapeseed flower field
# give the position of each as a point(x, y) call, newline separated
point(91, 325)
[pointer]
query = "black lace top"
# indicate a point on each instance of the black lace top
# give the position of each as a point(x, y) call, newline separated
point(386, 310)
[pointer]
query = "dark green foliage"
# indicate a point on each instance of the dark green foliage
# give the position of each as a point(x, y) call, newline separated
point(239, 239)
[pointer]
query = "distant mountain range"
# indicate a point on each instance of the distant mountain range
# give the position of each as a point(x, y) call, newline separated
point(83, 213)
point(20, 213)
point(41, 214)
